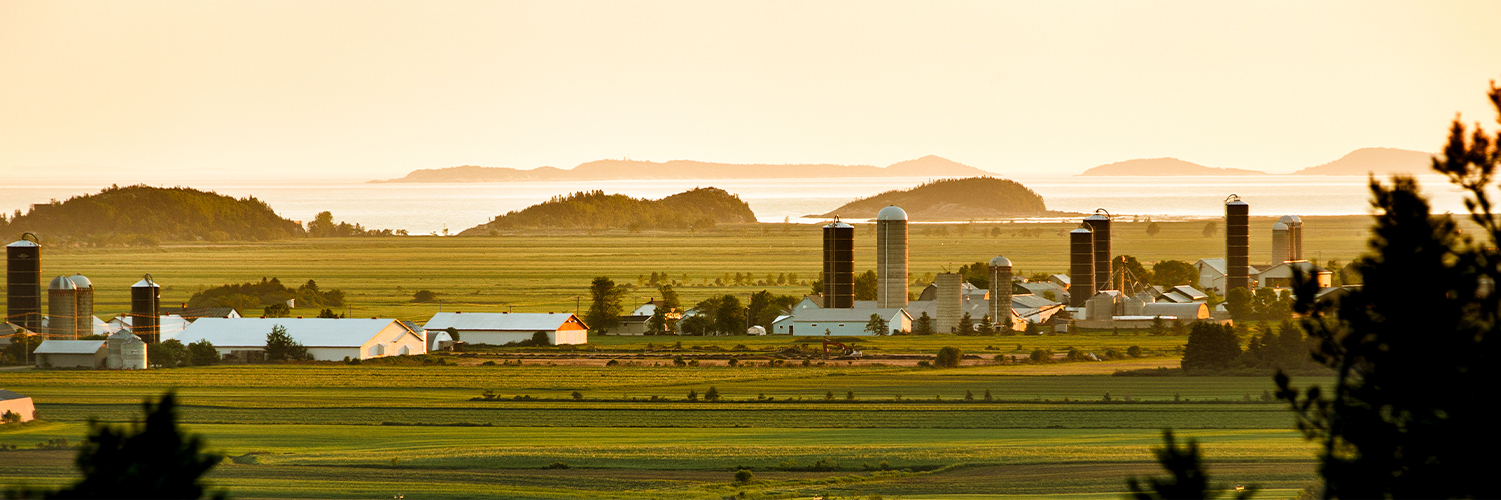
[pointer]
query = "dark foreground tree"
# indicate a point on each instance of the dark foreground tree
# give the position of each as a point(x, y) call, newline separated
point(1413, 345)
point(1189, 481)
point(157, 460)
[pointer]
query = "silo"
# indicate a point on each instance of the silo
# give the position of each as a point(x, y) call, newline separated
point(891, 257)
point(1294, 236)
point(1237, 244)
point(1280, 252)
point(1081, 266)
point(85, 292)
point(62, 308)
point(1000, 293)
point(1099, 223)
point(113, 344)
point(133, 354)
point(950, 302)
point(23, 283)
point(145, 299)
point(838, 265)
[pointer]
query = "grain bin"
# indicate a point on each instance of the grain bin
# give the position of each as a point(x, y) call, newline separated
point(23, 283)
point(838, 265)
point(133, 354)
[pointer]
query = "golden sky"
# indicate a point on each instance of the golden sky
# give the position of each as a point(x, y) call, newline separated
point(367, 89)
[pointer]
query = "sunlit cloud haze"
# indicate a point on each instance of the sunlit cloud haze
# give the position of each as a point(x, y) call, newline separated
point(363, 90)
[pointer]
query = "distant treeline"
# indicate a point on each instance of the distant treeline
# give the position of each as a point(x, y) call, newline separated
point(974, 197)
point(247, 297)
point(323, 226)
point(145, 215)
point(699, 208)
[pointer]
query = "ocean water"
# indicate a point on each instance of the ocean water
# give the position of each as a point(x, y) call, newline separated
point(431, 208)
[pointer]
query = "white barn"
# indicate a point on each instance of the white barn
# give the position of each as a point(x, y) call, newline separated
point(503, 328)
point(841, 322)
point(326, 339)
point(70, 354)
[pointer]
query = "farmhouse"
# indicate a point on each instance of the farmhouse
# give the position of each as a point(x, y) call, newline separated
point(503, 328)
point(71, 354)
point(11, 402)
point(326, 339)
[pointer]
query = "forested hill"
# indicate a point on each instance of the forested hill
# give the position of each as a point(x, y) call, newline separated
point(698, 208)
point(952, 199)
point(927, 166)
point(140, 214)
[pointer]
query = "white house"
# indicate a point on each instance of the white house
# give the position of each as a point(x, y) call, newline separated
point(18, 404)
point(503, 328)
point(71, 354)
point(842, 322)
point(326, 339)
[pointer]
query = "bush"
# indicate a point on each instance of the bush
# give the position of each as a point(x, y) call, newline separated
point(744, 476)
point(424, 296)
point(948, 357)
point(1041, 356)
point(556, 465)
point(202, 353)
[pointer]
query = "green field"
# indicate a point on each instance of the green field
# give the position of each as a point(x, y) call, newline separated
point(541, 272)
point(328, 430)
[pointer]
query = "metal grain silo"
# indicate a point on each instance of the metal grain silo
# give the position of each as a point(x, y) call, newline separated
point(113, 344)
point(85, 291)
point(1294, 236)
point(950, 301)
point(1280, 252)
point(1080, 266)
point(838, 265)
point(1237, 244)
point(891, 257)
point(23, 283)
point(1000, 293)
point(133, 354)
point(145, 301)
point(62, 308)
point(1099, 223)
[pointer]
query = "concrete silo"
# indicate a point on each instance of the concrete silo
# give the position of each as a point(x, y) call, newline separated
point(1237, 244)
point(891, 257)
point(85, 291)
point(1099, 224)
point(1280, 251)
point(950, 301)
point(145, 301)
point(23, 283)
point(838, 265)
point(1000, 293)
point(1294, 236)
point(1080, 266)
point(62, 308)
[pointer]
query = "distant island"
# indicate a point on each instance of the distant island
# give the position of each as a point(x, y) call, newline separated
point(952, 199)
point(145, 215)
point(603, 170)
point(699, 208)
point(1378, 161)
point(1164, 166)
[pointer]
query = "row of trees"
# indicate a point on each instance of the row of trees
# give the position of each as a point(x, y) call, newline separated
point(252, 296)
point(323, 226)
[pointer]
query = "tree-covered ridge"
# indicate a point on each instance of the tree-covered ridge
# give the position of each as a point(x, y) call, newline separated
point(145, 214)
point(246, 297)
point(697, 208)
point(974, 197)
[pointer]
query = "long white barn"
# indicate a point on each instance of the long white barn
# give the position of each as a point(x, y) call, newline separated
point(327, 339)
point(503, 328)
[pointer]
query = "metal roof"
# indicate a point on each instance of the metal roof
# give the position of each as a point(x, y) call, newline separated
point(1000, 261)
point(61, 283)
point(845, 315)
point(892, 212)
point(1081, 230)
point(838, 225)
point(530, 322)
point(1291, 218)
point(310, 332)
point(8, 395)
point(69, 347)
point(81, 281)
point(144, 283)
point(1279, 227)
point(22, 243)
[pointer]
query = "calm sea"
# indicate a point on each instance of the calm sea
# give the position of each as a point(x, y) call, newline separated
point(430, 208)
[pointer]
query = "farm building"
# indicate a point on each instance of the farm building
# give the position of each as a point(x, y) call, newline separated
point(71, 354)
point(193, 313)
point(503, 328)
point(1281, 275)
point(326, 339)
point(11, 402)
point(844, 322)
point(171, 325)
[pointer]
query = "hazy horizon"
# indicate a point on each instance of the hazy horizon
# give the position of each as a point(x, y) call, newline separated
point(307, 91)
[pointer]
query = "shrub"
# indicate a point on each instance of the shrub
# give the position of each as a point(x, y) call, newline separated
point(948, 357)
point(424, 296)
point(556, 465)
point(744, 476)
point(1134, 351)
point(578, 396)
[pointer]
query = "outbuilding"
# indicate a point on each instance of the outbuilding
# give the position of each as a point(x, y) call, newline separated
point(71, 354)
point(842, 322)
point(504, 328)
point(11, 402)
point(326, 339)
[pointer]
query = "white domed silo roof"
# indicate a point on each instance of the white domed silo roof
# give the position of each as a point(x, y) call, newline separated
point(61, 283)
point(1000, 261)
point(892, 212)
point(1279, 227)
point(1289, 219)
point(81, 281)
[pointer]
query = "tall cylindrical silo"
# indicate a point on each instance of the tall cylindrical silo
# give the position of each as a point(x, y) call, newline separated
point(1237, 244)
point(1294, 236)
point(891, 257)
point(145, 301)
point(85, 290)
point(1080, 266)
point(1280, 252)
point(950, 301)
point(23, 283)
point(838, 265)
point(1099, 223)
point(1000, 293)
point(62, 308)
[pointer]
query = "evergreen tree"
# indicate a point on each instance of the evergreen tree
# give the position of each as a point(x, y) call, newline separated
point(157, 460)
point(877, 325)
point(282, 347)
point(604, 305)
point(987, 327)
point(923, 325)
point(1210, 347)
point(966, 325)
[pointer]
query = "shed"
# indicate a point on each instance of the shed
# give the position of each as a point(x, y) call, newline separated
point(327, 339)
point(71, 354)
point(504, 328)
point(11, 402)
